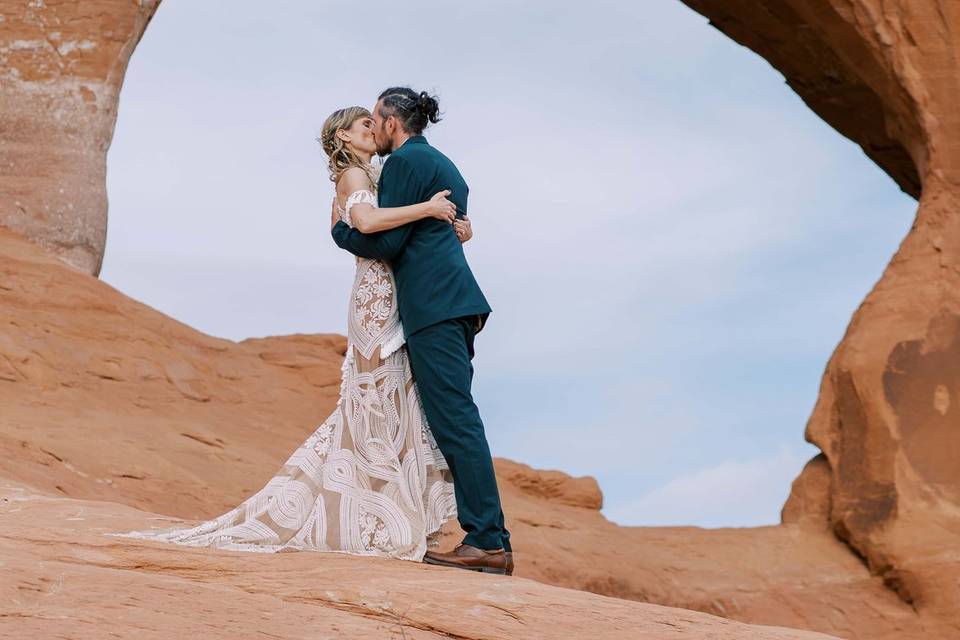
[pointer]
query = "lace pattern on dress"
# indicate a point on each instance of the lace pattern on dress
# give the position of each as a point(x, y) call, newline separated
point(370, 480)
point(364, 196)
point(373, 320)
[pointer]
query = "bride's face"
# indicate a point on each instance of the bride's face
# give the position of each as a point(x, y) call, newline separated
point(360, 136)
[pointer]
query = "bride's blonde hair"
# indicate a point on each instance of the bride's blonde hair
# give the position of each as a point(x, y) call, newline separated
point(340, 156)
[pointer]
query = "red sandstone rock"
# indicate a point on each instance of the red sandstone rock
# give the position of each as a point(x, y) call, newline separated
point(107, 403)
point(809, 500)
point(887, 75)
point(61, 67)
point(104, 399)
point(61, 578)
point(107, 400)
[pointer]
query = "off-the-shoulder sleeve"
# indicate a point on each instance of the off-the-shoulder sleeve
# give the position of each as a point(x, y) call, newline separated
point(396, 184)
point(362, 195)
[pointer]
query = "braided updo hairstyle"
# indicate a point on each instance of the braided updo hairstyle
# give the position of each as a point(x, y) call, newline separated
point(413, 110)
point(340, 156)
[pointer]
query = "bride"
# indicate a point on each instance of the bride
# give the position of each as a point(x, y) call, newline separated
point(370, 480)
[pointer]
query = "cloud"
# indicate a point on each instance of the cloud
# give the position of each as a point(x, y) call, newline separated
point(733, 493)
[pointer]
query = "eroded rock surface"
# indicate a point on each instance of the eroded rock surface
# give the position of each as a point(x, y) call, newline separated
point(62, 578)
point(111, 403)
point(887, 75)
point(61, 67)
point(116, 417)
point(106, 401)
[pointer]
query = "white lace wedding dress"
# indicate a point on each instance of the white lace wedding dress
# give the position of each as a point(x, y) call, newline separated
point(370, 480)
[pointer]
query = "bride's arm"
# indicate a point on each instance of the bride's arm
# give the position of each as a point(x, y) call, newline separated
point(369, 219)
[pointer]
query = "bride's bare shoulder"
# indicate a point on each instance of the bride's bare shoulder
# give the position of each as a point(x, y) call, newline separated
point(353, 179)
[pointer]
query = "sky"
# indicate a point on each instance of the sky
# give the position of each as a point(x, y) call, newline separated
point(671, 241)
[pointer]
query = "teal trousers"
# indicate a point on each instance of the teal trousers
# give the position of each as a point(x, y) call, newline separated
point(441, 359)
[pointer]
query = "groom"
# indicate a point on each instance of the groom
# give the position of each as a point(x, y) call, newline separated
point(442, 309)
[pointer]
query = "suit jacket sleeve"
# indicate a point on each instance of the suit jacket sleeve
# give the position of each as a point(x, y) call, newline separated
point(398, 188)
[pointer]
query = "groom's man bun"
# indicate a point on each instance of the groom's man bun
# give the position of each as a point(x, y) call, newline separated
point(413, 110)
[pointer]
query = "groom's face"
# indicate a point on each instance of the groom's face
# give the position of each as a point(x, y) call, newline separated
point(383, 130)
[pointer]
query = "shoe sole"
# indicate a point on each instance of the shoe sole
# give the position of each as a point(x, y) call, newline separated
point(493, 570)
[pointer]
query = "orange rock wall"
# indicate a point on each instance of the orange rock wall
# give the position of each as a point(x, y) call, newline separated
point(62, 63)
point(105, 399)
point(887, 75)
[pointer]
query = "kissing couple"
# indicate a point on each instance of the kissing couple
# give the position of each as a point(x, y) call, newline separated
point(405, 450)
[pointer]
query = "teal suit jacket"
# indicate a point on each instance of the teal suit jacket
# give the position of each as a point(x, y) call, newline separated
point(434, 281)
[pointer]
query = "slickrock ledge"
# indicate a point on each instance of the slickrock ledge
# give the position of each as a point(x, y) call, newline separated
point(62, 578)
point(107, 401)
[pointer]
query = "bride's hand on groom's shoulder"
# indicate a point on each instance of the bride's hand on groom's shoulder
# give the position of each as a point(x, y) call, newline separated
point(463, 228)
point(334, 215)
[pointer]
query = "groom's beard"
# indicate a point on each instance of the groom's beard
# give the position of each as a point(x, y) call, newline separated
point(383, 150)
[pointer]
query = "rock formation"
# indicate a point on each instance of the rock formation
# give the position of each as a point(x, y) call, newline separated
point(109, 407)
point(62, 579)
point(111, 411)
point(886, 75)
point(61, 67)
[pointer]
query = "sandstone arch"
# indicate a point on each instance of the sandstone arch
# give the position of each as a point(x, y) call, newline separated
point(61, 68)
point(886, 75)
point(882, 72)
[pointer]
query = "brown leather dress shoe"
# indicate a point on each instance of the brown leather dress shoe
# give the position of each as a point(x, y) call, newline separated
point(466, 557)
